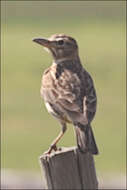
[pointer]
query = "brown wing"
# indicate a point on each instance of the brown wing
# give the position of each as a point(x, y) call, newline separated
point(64, 93)
point(64, 90)
point(68, 86)
point(90, 100)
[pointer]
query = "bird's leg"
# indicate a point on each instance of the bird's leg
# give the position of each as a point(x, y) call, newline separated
point(53, 145)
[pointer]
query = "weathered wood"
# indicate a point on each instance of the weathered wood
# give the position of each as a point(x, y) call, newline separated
point(69, 169)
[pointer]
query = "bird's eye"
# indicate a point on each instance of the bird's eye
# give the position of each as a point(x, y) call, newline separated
point(60, 42)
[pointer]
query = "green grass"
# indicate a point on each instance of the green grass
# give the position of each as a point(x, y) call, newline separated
point(27, 127)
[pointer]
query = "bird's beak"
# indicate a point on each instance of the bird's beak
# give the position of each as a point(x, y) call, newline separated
point(43, 41)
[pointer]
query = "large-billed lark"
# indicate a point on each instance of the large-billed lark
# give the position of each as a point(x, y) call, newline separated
point(68, 91)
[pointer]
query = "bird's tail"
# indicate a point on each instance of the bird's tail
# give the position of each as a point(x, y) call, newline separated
point(85, 139)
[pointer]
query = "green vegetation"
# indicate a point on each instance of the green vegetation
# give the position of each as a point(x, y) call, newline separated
point(27, 127)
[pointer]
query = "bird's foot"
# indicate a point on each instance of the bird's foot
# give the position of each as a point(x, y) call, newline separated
point(52, 147)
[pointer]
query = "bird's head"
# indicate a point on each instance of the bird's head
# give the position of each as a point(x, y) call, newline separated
point(61, 46)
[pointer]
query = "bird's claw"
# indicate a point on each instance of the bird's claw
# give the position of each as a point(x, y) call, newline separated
point(52, 147)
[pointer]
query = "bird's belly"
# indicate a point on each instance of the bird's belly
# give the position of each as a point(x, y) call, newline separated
point(58, 114)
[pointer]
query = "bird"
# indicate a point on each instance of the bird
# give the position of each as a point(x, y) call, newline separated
point(68, 91)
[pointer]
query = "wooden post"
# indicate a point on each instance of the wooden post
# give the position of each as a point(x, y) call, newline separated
point(69, 169)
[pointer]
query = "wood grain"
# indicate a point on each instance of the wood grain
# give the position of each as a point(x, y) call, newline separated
point(69, 169)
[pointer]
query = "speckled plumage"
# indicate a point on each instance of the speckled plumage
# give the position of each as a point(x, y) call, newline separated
point(68, 91)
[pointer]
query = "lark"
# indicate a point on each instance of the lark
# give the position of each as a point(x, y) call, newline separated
point(68, 91)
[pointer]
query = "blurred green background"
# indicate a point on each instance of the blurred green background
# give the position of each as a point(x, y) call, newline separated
point(100, 30)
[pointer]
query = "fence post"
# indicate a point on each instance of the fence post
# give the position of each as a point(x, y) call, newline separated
point(69, 169)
